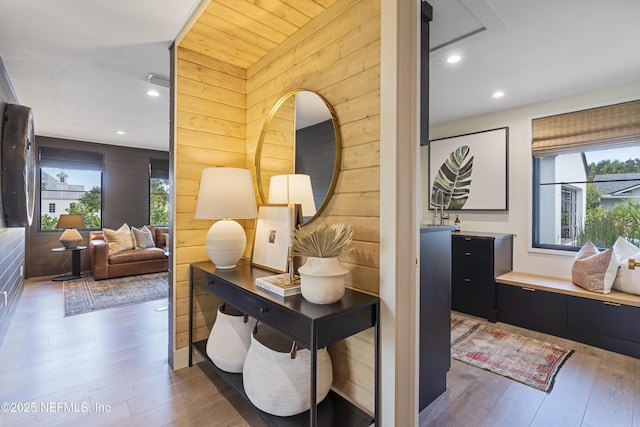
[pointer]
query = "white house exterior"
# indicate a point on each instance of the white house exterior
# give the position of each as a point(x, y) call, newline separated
point(563, 205)
point(57, 195)
point(618, 189)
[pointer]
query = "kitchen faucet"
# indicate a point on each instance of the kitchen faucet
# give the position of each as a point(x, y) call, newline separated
point(443, 217)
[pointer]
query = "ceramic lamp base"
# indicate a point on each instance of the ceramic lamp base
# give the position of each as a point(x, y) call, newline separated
point(226, 243)
point(70, 238)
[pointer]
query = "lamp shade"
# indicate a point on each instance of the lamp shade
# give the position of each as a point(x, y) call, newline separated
point(70, 221)
point(226, 193)
point(293, 188)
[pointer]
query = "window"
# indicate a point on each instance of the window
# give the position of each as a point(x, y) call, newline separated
point(587, 181)
point(159, 192)
point(569, 214)
point(70, 182)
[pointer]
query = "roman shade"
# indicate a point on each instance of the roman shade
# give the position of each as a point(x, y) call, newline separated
point(602, 127)
point(159, 168)
point(52, 157)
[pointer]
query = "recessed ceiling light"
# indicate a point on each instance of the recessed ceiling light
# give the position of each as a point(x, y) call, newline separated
point(498, 94)
point(153, 92)
point(453, 59)
point(120, 132)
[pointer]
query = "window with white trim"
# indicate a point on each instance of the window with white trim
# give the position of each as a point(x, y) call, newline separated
point(586, 183)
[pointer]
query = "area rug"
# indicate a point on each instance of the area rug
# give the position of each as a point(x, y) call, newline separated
point(86, 295)
point(527, 360)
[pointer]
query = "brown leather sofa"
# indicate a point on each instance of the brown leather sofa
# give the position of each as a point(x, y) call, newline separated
point(128, 262)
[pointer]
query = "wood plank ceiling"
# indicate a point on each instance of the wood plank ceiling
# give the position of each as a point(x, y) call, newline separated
point(240, 32)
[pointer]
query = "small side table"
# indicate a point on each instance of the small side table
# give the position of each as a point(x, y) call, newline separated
point(75, 263)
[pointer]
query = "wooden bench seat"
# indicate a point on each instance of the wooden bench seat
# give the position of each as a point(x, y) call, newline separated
point(565, 286)
point(558, 307)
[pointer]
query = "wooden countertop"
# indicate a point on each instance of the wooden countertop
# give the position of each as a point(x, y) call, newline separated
point(565, 286)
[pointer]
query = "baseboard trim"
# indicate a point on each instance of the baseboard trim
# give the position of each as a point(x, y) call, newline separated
point(180, 358)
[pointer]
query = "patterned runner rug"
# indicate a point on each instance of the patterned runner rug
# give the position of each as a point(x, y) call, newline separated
point(527, 360)
point(86, 295)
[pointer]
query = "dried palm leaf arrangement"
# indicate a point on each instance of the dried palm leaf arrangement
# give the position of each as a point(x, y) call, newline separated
point(327, 241)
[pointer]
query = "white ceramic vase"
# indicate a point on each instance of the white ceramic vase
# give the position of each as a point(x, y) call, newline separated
point(322, 280)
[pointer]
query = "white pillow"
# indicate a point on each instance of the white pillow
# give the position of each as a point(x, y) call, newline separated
point(624, 249)
point(628, 280)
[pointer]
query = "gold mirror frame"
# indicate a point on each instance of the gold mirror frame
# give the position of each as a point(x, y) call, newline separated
point(338, 148)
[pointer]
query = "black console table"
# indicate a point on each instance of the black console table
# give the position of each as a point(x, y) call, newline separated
point(311, 325)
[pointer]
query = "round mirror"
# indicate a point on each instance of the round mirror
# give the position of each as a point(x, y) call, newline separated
point(300, 135)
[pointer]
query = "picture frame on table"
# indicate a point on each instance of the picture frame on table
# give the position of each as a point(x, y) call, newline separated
point(272, 237)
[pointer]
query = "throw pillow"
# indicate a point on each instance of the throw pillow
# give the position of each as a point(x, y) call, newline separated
point(118, 240)
point(593, 270)
point(162, 239)
point(142, 238)
point(624, 249)
point(628, 280)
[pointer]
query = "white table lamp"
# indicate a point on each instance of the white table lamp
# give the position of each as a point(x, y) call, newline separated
point(293, 188)
point(226, 193)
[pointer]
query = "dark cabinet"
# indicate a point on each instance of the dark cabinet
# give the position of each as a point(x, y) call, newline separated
point(531, 308)
point(604, 318)
point(476, 260)
point(603, 324)
point(435, 312)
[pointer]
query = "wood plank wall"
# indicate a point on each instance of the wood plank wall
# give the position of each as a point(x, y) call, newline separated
point(337, 54)
point(210, 119)
point(278, 146)
point(125, 192)
point(220, 111)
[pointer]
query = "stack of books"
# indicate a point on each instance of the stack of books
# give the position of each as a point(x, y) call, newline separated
point(279, 285)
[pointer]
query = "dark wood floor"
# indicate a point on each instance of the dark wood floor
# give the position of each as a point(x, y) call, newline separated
point(103, 368)
point(595, 388)
point(113, 364)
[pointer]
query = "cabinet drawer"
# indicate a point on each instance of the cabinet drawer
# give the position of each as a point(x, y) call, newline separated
point(474, 245)
point(297, 327)
point(473, 297)
point(535, 309)
point(475, 267)
point(217, 287)
point(620, 321)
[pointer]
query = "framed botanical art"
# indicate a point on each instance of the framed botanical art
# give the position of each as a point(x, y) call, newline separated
point(273, 236)
point(470, 172)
